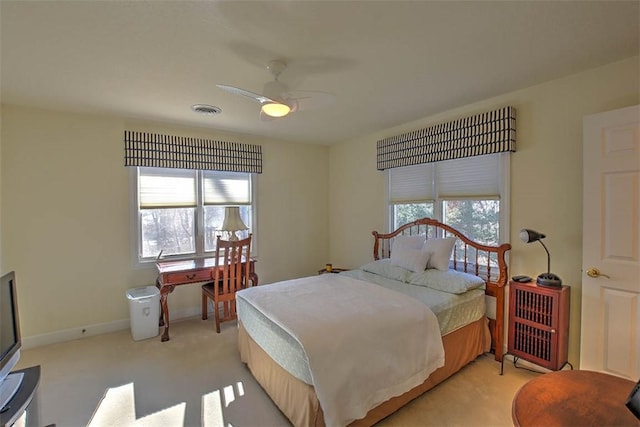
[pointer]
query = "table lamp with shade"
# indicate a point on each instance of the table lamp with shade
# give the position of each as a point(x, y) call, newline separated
point(232, 222)
point(548, 278)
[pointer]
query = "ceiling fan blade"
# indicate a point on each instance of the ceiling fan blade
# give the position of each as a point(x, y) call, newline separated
point(251, 95)
point(308, 100)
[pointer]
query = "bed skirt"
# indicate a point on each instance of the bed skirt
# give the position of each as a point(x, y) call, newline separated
point(298, 401)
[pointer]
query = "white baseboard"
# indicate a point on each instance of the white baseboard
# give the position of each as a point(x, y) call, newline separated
point(95, 329)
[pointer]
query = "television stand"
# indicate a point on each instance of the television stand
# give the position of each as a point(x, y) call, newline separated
point(25, 401)
point(8, 388)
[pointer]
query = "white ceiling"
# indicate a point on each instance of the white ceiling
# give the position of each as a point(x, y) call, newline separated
point(387, 62)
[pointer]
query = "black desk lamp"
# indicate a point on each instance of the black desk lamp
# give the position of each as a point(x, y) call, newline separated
point(548, 278)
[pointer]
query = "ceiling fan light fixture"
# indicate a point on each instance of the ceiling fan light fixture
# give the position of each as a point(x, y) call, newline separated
point(275, 109)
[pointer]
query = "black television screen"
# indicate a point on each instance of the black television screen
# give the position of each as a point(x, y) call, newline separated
point(10, 340)
point(9, 331)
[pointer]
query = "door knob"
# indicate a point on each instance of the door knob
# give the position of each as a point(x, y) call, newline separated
point(595, 273)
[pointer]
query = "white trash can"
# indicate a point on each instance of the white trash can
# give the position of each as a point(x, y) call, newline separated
point(144, 312)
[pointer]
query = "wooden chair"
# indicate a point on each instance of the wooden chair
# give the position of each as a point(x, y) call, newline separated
point(230, 275)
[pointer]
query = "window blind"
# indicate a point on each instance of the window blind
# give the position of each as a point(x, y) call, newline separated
point(167, 188)
point(411, 183)
point(227, 188)
point(472, 177)
point(469, 177)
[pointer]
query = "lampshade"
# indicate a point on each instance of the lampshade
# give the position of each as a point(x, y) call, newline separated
point(232, 220)
point(275, 109)
point(529, 236)
point(548, 278)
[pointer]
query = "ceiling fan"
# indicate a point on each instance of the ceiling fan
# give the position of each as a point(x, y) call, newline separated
point(276, 98)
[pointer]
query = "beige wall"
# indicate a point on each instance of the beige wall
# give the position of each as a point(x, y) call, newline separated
point(66, 218)
point(546, 175)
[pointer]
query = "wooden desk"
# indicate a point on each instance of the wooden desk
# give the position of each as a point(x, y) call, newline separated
point(184, 272)
point(566, 398)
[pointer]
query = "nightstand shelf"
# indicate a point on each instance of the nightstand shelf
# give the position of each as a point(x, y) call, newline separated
point(539, 325)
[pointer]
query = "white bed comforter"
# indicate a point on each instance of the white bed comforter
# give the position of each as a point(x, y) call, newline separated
point(365, 344)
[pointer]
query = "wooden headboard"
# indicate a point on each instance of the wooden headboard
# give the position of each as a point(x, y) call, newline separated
point(487, 262)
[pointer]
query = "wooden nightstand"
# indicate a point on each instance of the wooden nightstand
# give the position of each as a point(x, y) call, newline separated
point(539, 325)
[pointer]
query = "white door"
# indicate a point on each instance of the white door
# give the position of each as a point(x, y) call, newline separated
point(610, 336)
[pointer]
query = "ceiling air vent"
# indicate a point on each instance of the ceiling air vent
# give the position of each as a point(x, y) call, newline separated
point(209, 110)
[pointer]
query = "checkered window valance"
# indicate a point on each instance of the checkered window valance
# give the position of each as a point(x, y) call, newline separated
point(168, 151)
point(486, 133)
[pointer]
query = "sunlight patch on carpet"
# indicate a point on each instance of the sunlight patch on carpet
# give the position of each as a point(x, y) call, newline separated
point(213, 403)
point(212, 410)
point(117, 408)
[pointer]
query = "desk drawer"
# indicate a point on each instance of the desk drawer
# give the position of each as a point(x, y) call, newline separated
point(187, 277)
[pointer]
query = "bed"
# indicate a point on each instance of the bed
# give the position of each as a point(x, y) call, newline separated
point(352, 348)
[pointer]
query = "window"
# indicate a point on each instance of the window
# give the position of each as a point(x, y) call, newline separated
point(179, 212)
point(469, 194)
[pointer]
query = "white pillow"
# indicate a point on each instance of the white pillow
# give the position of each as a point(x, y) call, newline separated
point(384, 268)
point(411, 259)
point(439, 252)
point(409, 242)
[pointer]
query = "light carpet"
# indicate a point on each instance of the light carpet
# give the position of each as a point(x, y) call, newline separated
point(196, 379)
